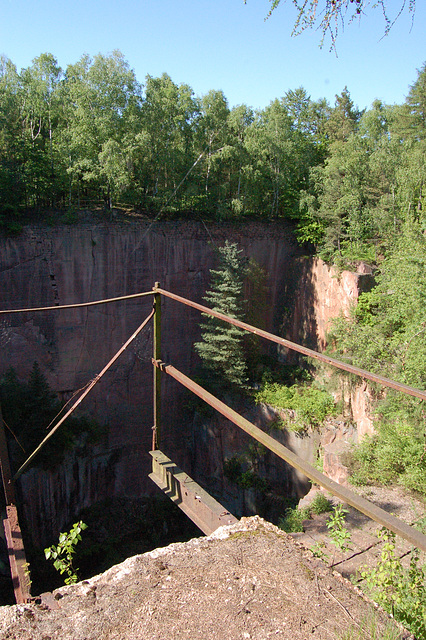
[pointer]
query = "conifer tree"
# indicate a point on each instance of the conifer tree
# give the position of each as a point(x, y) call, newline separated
point(221, 349)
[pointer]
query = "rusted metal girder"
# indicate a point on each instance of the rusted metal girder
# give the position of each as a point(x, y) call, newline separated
point(6, 474)
point(18, 563)
point(198, 505)
point(87, 389)
point(15, 545)
point(386, 382)
point(365, 506)
point(76, 306)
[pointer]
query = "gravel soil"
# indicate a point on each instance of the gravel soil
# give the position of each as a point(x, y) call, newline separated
point(247, 581)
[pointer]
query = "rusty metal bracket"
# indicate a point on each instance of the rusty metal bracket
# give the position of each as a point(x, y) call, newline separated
point(198, 505)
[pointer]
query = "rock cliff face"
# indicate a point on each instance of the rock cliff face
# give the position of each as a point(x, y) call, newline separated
point(70, 264)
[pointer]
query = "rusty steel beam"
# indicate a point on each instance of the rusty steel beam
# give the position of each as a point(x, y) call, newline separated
point(15, 545)
point(386, 382)
point(18, 564)
point(6, 474)
point(87, 389)
point(198, 505)
point(365, 506)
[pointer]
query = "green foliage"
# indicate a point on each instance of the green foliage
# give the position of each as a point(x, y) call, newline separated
point(395, 454)
point(400, 591)
point(239, 471)
point(308, 405)
point(320, 504)
point(349, 180)
point(221, 348)
point(338, 533)
point(386, 334)
point(294, 517)
point(371, 629)
point(318, 550)
point(62, 553)
point(29, 409)
point(292, 522)
point(88, 134)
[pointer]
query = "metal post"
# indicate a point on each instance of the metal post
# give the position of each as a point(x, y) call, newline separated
point(156, 429)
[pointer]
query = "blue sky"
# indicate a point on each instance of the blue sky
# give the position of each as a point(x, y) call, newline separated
point(223, 44)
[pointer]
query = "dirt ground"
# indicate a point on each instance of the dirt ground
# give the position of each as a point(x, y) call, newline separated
point(365, 547)
point(247, 581)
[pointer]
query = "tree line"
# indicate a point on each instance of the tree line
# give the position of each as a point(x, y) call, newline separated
point(92, 135)
point(93, 132)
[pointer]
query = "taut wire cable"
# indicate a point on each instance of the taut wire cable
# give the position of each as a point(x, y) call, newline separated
point(83, 395)
point(79, 304)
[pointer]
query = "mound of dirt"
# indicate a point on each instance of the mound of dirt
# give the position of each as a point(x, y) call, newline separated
point(249, 580)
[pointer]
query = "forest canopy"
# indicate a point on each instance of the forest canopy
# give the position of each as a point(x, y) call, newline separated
point(92, 136)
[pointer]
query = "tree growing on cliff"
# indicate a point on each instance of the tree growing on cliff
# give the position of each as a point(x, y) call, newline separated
point(221, 348)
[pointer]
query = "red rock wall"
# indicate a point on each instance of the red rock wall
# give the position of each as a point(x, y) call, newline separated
point(70, 264)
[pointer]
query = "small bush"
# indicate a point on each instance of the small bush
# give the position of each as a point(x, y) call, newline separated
point(293, 519)
point(396, 454)
point(62, 554)
point(338, 532)
point(402, 592)
point(236, 469)
point(308, 405)
point(320, 504)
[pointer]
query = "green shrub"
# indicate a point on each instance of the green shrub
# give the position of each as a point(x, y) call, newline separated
point(310, 406)
point(396, 454)
point(338, 532)
point(237, 470)
point(401, 591)
point(320, 504)
point(293, 519)
point(62, 553)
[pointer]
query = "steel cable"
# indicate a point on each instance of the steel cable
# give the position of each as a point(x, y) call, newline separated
point(83, 395)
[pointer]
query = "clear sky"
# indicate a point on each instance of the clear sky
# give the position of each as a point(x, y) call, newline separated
point(223, 44)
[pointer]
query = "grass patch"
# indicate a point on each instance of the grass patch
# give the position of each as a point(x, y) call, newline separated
point(305, 406)
point(292, 522)
point(293, 518)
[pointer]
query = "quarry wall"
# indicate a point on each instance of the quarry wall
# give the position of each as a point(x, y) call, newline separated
point(89, 261)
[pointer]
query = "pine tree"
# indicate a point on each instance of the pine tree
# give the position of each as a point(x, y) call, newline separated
point(221, 349)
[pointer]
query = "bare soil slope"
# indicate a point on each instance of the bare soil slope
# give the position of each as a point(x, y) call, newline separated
point(249, 580)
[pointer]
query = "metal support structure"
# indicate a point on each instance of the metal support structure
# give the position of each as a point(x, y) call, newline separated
point(368, 508)
point(15, 545)
point(17, 560)
point(156, 429)
point(199, 506)
point(344, 366)
point(6, 474)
